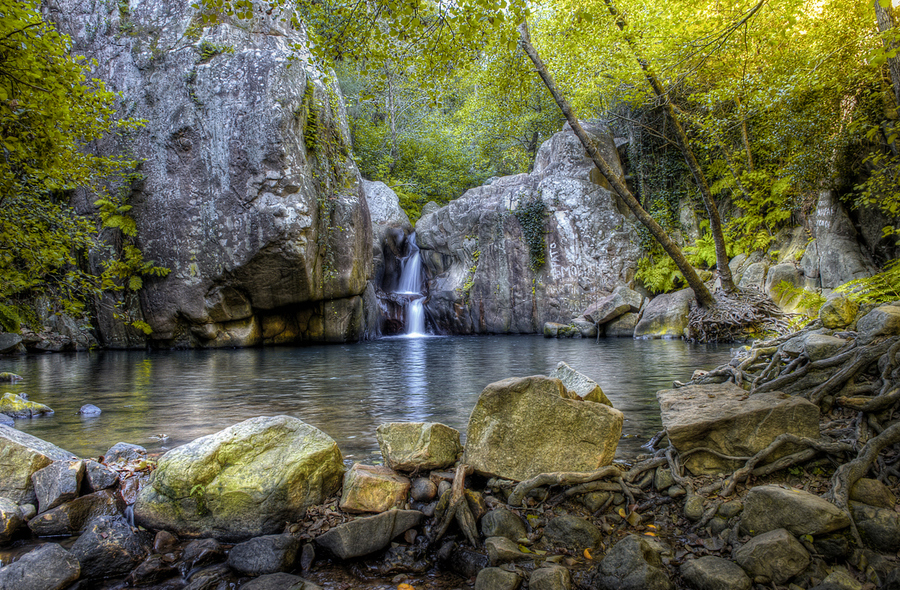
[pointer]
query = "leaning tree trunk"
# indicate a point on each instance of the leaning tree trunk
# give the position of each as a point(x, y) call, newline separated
point(704, 297)
point(715, 220)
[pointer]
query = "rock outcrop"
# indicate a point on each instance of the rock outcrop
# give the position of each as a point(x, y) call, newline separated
point(244, 481)
point(479, 260)
point(247, 191)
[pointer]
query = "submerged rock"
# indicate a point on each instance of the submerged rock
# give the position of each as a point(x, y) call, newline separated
point(521, 427)
point(724, 418)
point(242, 482)
point(415, 446)
point(20, 456)
point(89, 410)
point(15, 406)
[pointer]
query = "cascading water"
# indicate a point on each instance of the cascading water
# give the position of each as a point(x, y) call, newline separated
point(411, 284)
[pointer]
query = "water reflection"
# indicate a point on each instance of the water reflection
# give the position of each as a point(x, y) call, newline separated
point(346, 390)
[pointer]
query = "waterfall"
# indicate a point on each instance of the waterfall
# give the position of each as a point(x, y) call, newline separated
point(411, 284)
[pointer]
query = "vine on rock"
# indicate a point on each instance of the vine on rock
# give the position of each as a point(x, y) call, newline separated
point(531, 217)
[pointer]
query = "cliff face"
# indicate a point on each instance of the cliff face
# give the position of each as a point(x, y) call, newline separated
point(248, 194)
point(478, 257)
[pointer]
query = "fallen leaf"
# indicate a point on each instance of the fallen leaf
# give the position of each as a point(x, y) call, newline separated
point(587, 554)
point(405, 587)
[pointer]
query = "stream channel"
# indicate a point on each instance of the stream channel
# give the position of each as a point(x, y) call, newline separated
point(345, 390)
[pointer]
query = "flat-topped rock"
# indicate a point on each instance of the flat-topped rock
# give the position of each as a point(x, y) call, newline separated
point(368, 534)
point(725, 418)
point(521, 427)
point(621, 301)
point(20, 456)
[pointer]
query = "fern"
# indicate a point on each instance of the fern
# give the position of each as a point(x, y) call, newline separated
point(882, 287)
point(10, 321)
point(659, 274)
point(808, 302)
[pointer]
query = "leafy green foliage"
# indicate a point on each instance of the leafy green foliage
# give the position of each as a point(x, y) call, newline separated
point(209, 50)
point(531, 217)
point(808, 302)
point(882, 287)
point(658, 273)
point(49, 110)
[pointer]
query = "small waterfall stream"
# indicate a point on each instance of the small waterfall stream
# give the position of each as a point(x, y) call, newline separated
point(411, 282)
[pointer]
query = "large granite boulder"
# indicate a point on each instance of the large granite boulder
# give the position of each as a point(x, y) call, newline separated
point(247, 190)
point(415, 446)
point(480, 273)
point(521, 427)
point(835, 255)
point(20, 456)
point(666, 316)
point(241, 482)
point(724, 418)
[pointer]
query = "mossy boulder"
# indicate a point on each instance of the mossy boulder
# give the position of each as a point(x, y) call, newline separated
point(418, 446)
point(15, 407)
point(244, 481)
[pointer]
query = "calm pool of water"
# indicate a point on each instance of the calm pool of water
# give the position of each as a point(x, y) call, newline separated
point(345, 390)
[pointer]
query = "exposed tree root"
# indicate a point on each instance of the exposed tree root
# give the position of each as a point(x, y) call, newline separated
point(458, 510)
point(735, 315)
point(560, 478)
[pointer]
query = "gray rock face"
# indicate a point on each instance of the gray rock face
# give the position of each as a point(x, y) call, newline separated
point(775, 556)
point(49, 567)
point(9, 342)
point(666, 316)
point(622, 300)
point(411, 446)
point(477, 258)
point(264, 555)
point(57, 483)
point(20, 456)
point(521, 427)
point(386, 215)
point(881, 321)
point(622, 327)
point(72, 517)
point(370, 534)
point(108, 547)
point(632, 564)
point(241, 482)
point(835, 256)
point(248, 193)
point(771, 507)
point(723, 417)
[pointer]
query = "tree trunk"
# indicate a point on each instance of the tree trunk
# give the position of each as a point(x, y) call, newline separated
point(715, 220)
point(885, 16)
point(704, 297)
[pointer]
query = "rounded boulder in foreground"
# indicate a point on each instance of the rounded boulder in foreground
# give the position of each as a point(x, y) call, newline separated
point(245, 481)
